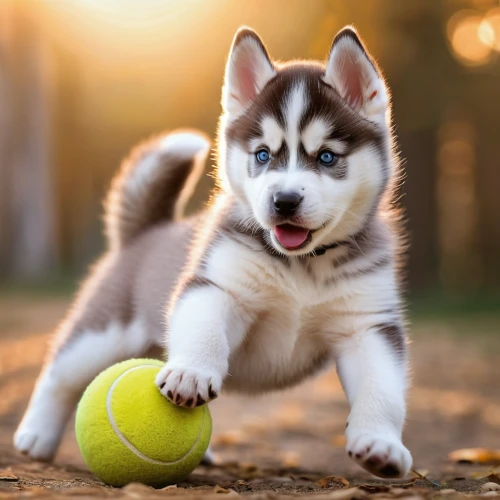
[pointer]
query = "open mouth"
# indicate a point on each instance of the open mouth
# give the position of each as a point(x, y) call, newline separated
point(292, 237)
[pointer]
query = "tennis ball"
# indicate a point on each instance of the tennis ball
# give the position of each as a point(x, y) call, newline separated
point(128, 432)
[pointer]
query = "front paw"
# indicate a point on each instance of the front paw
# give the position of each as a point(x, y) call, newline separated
point(384, 456)
point(35, 444)
point(188, 387)
point(38, 437)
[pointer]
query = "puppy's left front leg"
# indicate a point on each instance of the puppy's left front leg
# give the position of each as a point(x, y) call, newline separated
point(205, 326)
point(372, 370)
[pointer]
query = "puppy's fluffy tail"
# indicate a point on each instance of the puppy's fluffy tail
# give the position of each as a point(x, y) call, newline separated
point(154, 184)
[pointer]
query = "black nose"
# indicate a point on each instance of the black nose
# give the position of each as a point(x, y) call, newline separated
point(286, 203)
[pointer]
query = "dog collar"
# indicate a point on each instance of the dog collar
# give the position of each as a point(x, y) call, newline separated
point(323, 249)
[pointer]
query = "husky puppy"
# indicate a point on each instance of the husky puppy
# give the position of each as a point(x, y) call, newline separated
point(292, 266)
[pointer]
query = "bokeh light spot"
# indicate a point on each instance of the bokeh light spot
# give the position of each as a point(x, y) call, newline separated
point(492, 30)
point(486, 33)
point(470, 39)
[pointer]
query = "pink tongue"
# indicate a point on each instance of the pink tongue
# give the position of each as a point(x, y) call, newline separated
point(290, 236)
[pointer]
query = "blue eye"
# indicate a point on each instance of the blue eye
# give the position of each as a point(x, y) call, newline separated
point(262, 155)
point(327, 158)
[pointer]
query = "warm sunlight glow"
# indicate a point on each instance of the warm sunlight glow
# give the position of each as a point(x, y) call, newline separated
point(135, 12)
point(470, 38)
point(121, 30)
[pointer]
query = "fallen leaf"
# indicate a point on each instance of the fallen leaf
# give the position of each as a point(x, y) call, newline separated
point(424, 478)
point(326, 482)
point(423, 473)
point(6, 475)
point(9, 477)
point(481, 474)
point(494, 478)
point(475, 455)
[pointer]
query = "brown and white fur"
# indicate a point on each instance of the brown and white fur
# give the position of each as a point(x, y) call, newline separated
point(237, 305)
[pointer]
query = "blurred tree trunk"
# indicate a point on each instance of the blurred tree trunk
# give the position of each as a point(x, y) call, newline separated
point(422, 80)
point(27, 224)
point(487, 121)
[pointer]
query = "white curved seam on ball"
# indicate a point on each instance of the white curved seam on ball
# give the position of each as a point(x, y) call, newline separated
point(126, 442)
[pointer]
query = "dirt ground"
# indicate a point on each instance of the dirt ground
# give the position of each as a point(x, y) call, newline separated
point(284, 444)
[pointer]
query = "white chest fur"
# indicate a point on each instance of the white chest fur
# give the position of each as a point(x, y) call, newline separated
point(297, 310)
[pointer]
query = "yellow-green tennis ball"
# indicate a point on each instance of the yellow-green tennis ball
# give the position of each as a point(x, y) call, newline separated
point(128, 432)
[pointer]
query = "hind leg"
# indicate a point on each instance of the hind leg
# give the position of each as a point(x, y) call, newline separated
point(63, 379)
point(100, 330)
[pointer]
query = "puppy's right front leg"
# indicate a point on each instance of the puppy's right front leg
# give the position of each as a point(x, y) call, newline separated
point(205, 326)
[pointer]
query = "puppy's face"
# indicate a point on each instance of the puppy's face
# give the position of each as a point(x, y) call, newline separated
point(306, 147)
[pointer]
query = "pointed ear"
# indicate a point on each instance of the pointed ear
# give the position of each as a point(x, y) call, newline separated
point(248, 70)
point(355, 76)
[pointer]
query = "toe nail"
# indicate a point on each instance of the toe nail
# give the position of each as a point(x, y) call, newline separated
point(189, 402)
point(170, 395)
point(162, 385)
